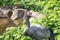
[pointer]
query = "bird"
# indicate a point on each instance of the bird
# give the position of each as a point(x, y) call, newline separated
point(37, 31)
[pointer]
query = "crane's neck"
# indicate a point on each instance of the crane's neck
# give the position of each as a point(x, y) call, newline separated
point(27, 22)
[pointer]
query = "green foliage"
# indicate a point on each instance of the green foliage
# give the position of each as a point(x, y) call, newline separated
point(51, 9)
point(14, 33)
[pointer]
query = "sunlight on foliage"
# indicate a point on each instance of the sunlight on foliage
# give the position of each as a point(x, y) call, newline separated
point(51, 9)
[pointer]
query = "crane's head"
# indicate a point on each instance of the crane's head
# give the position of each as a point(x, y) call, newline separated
point(30, 15)
point(35, 15)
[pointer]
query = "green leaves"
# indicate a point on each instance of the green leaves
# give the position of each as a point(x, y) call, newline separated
point(51, 9)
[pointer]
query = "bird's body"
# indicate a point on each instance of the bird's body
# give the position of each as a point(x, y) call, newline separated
point(37, 31)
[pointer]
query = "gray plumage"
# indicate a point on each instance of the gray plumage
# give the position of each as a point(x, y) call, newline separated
point(36, 31)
